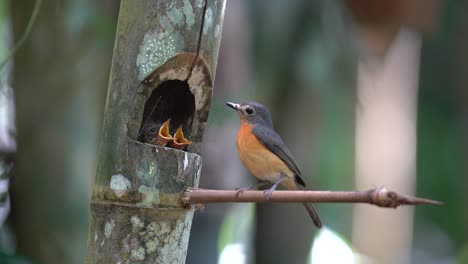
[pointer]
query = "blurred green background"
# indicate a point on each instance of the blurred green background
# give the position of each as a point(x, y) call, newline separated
point(306, 61)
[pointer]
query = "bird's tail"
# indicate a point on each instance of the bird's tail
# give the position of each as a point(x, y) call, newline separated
point(310, 209)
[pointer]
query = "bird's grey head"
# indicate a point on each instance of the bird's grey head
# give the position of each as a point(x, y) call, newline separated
point(253, 113)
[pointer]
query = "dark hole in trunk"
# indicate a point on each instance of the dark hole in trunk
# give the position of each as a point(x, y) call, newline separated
point(171, 99)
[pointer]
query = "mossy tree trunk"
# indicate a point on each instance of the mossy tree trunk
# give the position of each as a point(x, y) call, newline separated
point(59, 78)
point(136, 213)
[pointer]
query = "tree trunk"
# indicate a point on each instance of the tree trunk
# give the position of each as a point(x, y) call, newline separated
point(59, 81)
point(7, 122)
point(136, 211)
point(386, 147)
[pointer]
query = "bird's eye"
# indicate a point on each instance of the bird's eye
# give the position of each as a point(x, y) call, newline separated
point(249, 110)
point(153, 130)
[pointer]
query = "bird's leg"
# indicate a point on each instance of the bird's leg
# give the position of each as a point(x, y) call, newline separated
point(270, 191)
point(251, 187)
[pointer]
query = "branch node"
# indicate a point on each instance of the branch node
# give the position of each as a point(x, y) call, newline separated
point(383, 197)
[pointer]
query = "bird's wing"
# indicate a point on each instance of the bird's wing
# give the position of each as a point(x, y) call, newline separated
point(272, 141)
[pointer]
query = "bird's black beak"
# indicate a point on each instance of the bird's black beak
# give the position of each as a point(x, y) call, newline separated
point(233, 105)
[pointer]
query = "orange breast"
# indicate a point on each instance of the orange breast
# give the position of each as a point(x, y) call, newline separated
point(260, 161)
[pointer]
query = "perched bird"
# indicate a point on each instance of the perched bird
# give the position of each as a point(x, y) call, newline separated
point(264, 154)
point(179, 142)
point(157, 134)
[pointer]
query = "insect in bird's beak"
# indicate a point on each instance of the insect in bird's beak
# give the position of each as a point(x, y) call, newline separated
point(163, 135)
point(233, 105)
point(179, 142)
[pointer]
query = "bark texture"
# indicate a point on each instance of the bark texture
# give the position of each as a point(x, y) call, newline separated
point(136, 210)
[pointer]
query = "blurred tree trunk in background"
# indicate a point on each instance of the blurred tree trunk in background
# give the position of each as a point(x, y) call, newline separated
point(298, 64)
point(60, 78)
point(283, 231)
point(386, 148)
point(390, 39)
point(222, 168)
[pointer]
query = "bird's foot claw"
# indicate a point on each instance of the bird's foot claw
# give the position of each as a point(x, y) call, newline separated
point(268, 193)
point(239, 191)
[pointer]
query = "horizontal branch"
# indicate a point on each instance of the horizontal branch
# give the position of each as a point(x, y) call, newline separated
point(378, 196)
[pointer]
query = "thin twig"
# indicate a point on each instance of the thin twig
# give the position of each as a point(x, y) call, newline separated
point(26, 33)
point(205, 3)
point(381, 197)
